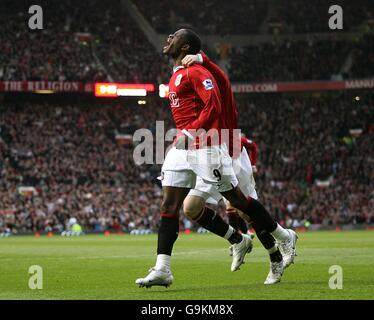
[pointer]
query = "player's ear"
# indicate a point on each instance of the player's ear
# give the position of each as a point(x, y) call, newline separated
point(185, 48)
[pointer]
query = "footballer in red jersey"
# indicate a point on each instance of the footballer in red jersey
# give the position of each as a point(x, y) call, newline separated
point(196, 104)
point(194, 204)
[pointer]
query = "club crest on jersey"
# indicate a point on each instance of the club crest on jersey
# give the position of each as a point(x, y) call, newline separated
point(178, 80)
point(208, 84)
point(174, 100)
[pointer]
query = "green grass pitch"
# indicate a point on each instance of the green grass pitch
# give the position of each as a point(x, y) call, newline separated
point(99, 267)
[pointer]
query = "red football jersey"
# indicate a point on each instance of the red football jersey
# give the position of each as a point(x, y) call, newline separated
point(195, 99)
point(252, 149)
point(229, 112)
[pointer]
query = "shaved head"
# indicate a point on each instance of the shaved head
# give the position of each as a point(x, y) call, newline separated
point(192, 39)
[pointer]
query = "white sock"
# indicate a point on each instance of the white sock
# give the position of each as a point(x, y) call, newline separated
point(280, 234)
point(272, 250)
point(163, 262)
point(229, 232)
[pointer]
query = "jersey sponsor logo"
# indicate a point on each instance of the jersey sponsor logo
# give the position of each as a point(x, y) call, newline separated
point(208, 84)
point(178, 80)
point(174, 100)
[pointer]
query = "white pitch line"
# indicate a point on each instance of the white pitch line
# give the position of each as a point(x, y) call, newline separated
point(111, 257)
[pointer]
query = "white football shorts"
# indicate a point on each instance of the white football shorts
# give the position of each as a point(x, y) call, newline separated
point(213, 165)
point(244, 174)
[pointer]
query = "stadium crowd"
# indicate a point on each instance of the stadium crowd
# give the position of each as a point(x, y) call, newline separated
point(54, 54)
point(363, 52)
point(317, 164)
point(307, 17)
point(291, 60)
point(74, 46)
point(248, 16)
point(105, 43)
point(312, 166)
point(210, 17)
point(59, 161)
point(121, 46)
point(77, 166)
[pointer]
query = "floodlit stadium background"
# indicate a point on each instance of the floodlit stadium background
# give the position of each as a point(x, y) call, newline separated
point(72, 95)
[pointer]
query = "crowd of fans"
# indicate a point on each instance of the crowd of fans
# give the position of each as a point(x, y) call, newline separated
point(249, 16)
point(290, 60)
point(209, 17)
point(363, 56)
point(59, 161)
point(77, 166)
point(303, 60)
point(120, 44)
point(102, 42)
point(54, 53)
point(313, 16)
point(77, 43)
point(312, 166)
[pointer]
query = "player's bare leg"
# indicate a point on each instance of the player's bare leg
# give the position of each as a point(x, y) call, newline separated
point(160, 274)
point(195, 208)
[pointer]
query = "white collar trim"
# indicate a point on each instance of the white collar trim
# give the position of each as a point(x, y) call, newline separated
point(175, 69)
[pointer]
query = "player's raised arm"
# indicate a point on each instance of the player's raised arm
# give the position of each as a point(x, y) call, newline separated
point(218, 74)
point(206, 89)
